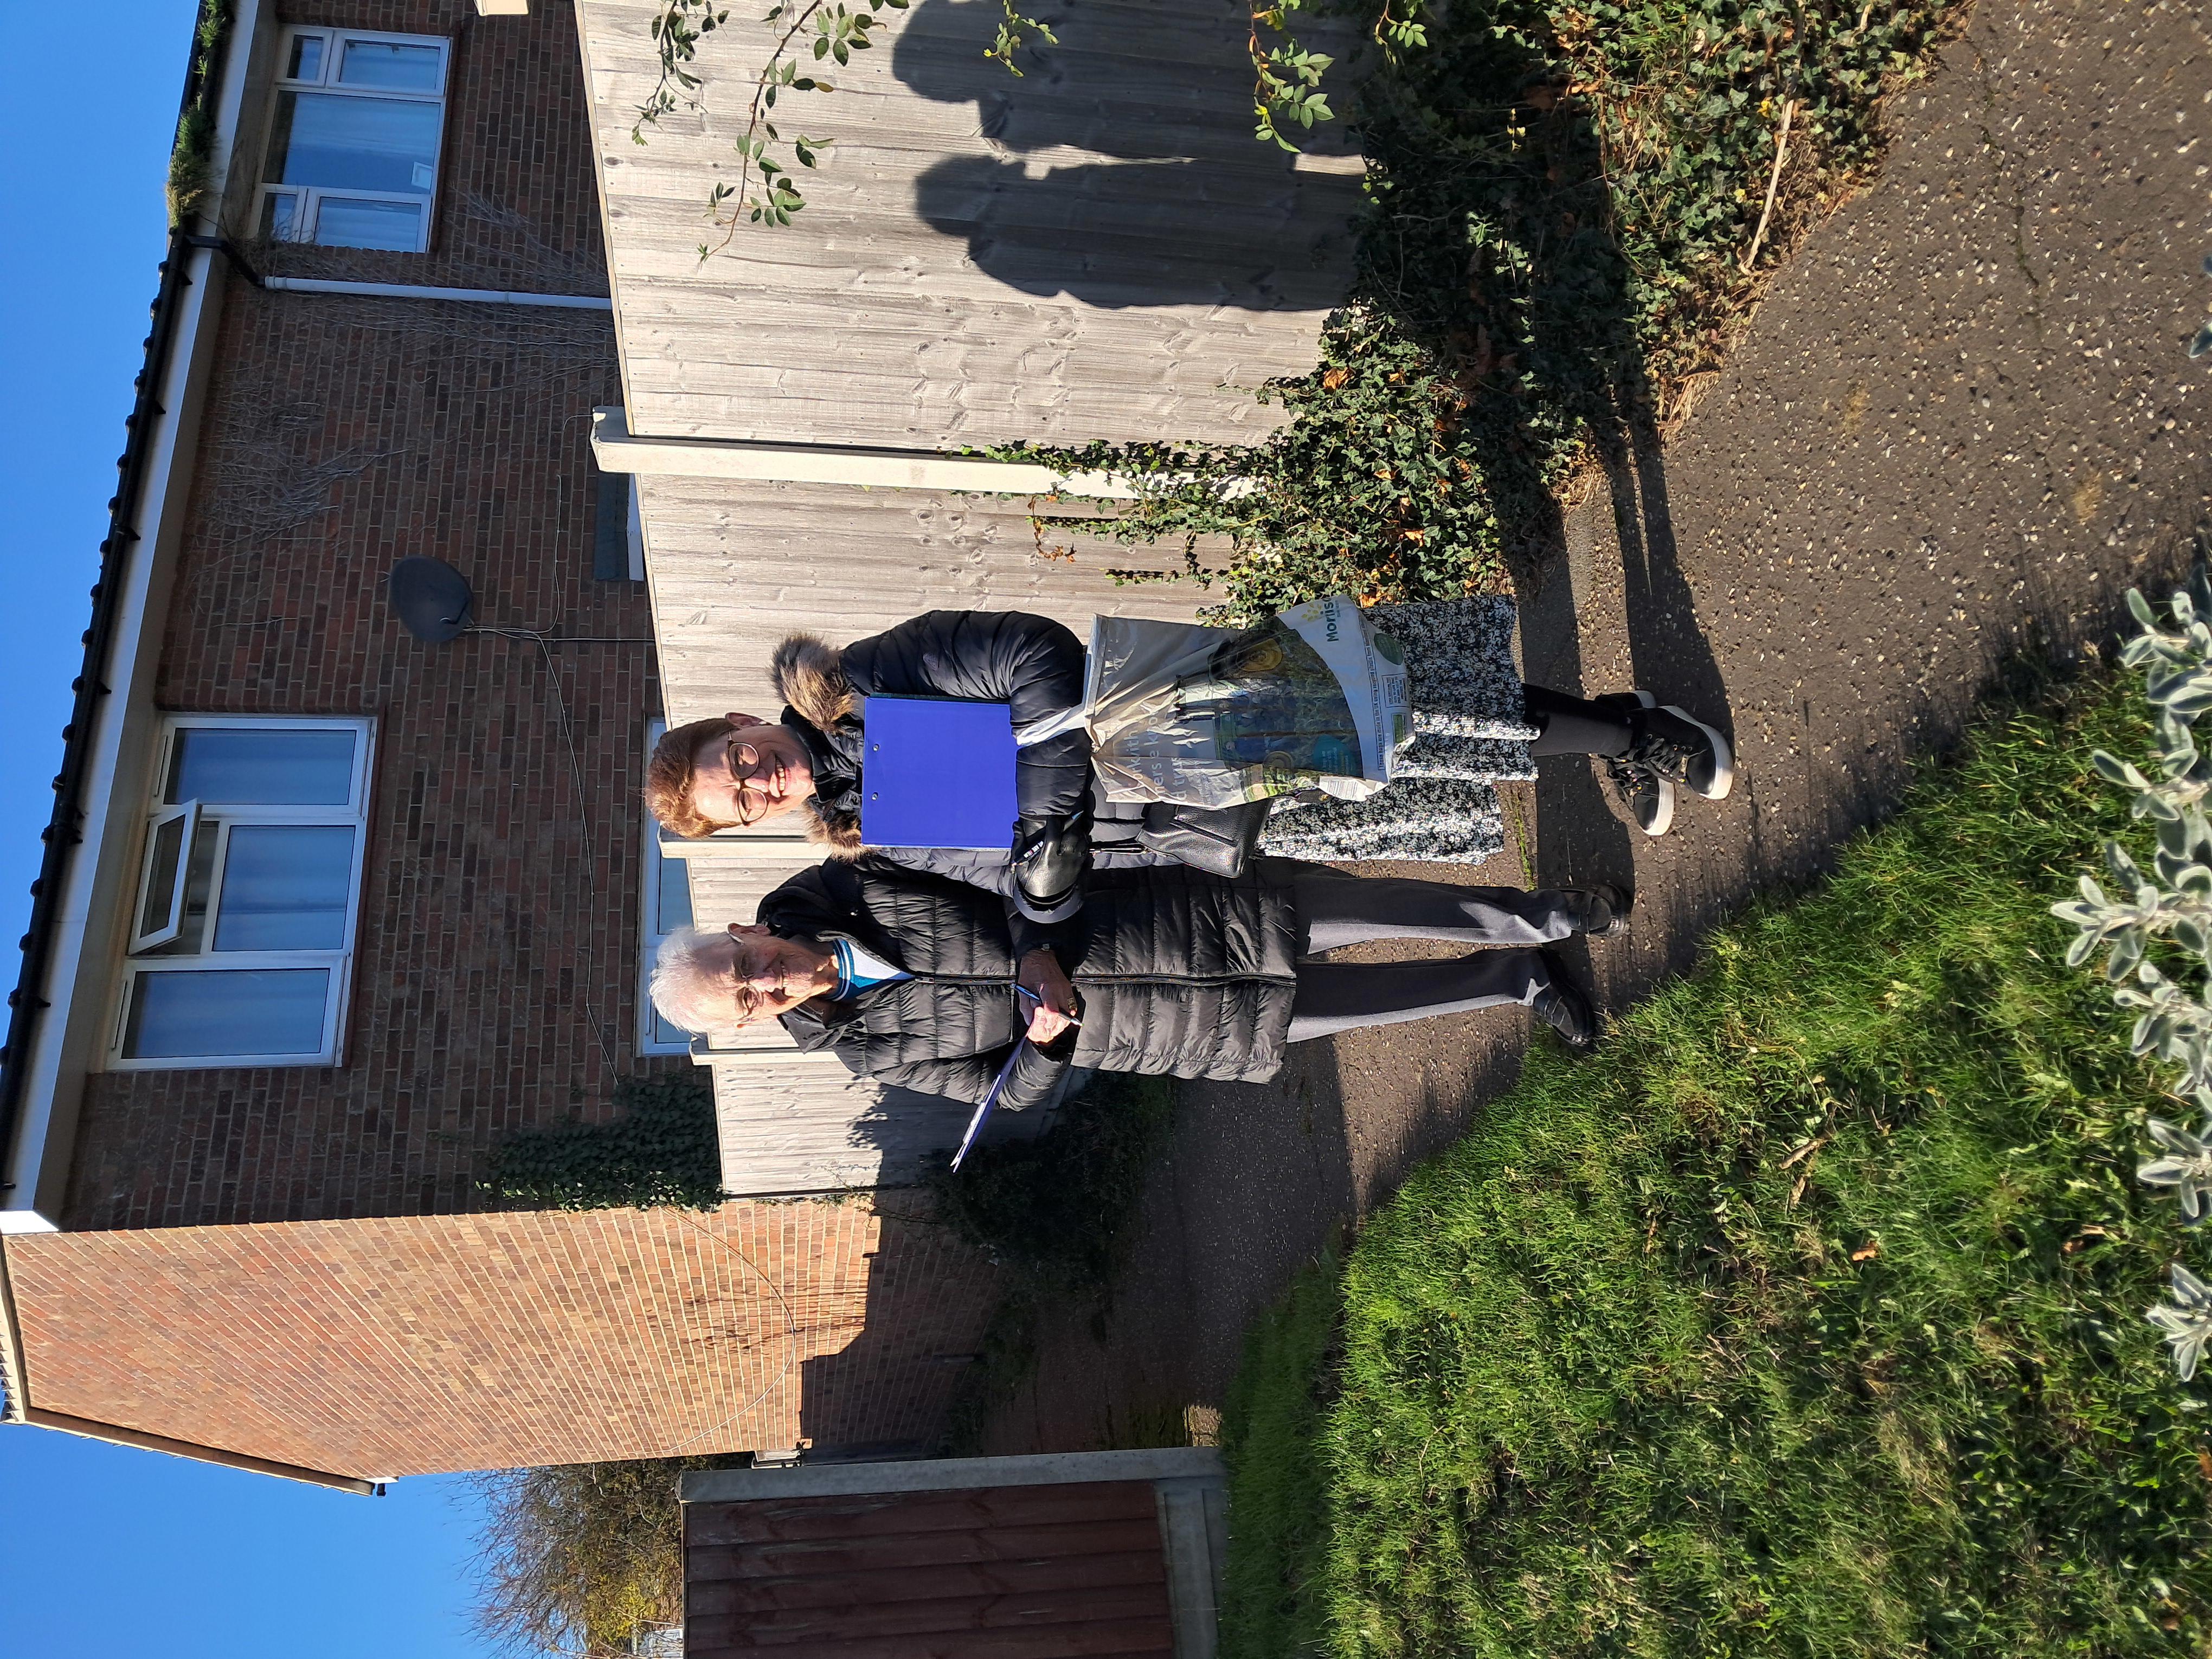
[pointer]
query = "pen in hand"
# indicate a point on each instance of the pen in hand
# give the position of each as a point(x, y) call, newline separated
point(1025, 991)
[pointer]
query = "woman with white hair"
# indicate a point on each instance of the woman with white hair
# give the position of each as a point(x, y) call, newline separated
point(915, 980)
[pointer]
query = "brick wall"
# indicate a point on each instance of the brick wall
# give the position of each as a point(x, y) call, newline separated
point(279, 1261)
point(414, 1345)
point(516, 204)
point(499, 932)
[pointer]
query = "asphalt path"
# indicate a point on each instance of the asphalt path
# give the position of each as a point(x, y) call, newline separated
point(1962, 425)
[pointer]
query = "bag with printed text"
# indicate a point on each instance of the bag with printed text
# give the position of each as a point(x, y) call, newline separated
point(1315, 698)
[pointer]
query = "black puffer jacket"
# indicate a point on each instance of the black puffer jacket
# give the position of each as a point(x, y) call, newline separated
point(1177, 973)
point(1032, 664)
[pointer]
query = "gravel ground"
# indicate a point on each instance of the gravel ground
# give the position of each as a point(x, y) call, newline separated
point(1963, 422)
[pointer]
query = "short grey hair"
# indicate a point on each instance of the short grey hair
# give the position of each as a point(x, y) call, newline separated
point(689, 993)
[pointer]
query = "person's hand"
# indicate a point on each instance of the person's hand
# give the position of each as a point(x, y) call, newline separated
point(1041, 976)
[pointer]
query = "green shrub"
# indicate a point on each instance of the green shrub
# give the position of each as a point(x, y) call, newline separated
point(583, 1559)
point(1561, 196)
point(661, 1148)
point(1056, 1210)
point(1806, 1318)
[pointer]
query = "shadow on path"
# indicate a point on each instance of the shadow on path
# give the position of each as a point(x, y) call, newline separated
point(1908, 471)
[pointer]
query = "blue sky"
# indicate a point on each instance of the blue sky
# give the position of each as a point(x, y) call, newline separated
point(106, 1552)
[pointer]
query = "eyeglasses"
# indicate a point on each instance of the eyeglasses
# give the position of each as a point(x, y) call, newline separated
point(744, 1001)
point(746, 765)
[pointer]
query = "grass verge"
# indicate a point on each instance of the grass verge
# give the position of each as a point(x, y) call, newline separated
point(1805, 1318)
point(1271, 1439)
point(1566, 205)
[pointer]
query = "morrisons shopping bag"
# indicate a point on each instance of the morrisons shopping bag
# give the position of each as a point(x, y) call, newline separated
point(1314, 697)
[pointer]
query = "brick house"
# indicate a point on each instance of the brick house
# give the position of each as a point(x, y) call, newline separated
point(326, 912)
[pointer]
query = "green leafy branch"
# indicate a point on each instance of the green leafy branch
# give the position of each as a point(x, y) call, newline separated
point(1285, 76)
point(767, 191)
point(1395, 34)
point(1013, 28)
point(677, 32)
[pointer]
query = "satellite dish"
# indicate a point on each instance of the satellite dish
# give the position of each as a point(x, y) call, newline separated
point(432, 597)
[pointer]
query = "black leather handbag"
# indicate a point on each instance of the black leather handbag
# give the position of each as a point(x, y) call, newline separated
point(1218, 840)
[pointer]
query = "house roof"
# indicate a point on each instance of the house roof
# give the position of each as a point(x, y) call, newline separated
point(105, 673)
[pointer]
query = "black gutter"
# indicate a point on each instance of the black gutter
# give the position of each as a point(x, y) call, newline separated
point(233, 255)
point(65, 831)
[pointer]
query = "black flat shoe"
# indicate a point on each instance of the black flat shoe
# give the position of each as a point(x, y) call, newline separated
point(1606, 915)
point(1566, 1009)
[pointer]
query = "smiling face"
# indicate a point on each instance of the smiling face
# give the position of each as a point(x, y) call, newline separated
point(750, 774)
point(765, 976)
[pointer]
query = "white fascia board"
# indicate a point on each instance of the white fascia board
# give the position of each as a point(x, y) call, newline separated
point(80, 974)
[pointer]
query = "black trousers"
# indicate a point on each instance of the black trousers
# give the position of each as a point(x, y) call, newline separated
point(1335, 909)
point(1570, 726)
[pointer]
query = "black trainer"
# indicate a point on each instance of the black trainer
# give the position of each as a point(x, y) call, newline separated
point(1605, 914)
point(1678, 746)
point(1648, 795)
point(1566, 1009)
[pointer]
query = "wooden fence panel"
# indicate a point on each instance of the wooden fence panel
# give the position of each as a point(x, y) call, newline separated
point(1097, 248)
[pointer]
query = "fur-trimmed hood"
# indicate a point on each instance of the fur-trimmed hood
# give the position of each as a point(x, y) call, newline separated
point(809, 677)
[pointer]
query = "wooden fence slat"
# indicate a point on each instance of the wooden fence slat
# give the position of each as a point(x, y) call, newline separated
point(1137, 146)
point(864, 1515)
point(1033, 1610)
point(1087, 1641)
point(717, 1595)
point(791, 1560)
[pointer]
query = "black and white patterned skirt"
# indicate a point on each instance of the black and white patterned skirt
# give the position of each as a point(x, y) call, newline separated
point(1470, 733)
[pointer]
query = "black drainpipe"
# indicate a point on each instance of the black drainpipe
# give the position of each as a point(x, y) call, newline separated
point(64, 832)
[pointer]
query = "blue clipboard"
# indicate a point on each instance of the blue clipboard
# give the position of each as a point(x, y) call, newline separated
point(936, 773)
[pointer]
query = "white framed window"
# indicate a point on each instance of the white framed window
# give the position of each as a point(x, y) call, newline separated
point(666, 907)
point(241, 937)
point(354, 139)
